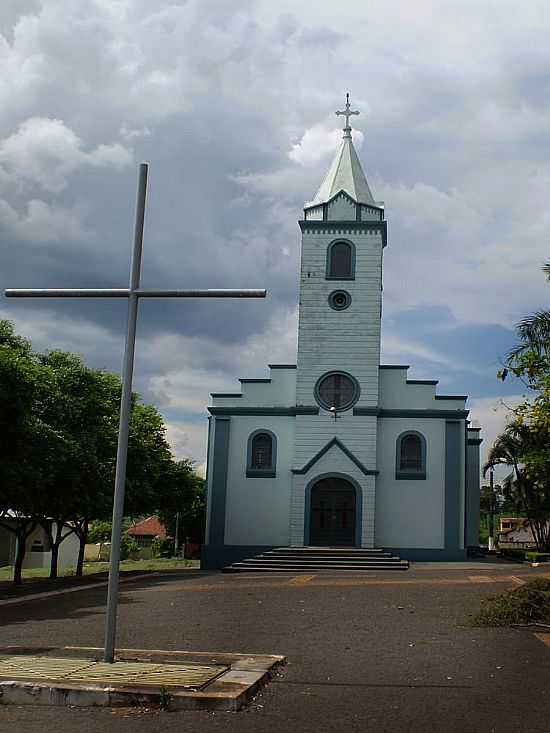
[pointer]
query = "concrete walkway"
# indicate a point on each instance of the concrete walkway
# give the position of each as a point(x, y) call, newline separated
point(364, 654)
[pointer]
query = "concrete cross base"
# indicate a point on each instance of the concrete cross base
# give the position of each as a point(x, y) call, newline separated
point(149, 678)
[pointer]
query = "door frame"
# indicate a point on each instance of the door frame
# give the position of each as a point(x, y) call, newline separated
point(358, 505)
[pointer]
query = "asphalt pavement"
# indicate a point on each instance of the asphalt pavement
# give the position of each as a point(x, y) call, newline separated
point(385, 652)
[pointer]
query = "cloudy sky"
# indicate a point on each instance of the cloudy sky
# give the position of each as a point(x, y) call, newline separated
point(232, 102)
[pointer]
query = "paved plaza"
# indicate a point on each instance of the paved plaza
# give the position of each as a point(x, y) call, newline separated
point(384, 652)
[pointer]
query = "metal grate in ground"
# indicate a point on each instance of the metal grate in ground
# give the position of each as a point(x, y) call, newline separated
point(140, 674)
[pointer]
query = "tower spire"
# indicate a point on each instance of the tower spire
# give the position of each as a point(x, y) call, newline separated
point(347, 113)
point(345, 172)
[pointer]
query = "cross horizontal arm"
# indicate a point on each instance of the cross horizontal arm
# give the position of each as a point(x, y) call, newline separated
point(210, 293)
point(125, 292)
point(66, 293)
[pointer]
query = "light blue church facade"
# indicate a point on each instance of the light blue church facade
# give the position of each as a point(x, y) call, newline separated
point(338, 450)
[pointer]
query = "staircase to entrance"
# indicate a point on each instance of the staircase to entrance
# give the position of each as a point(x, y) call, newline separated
point(319, 559)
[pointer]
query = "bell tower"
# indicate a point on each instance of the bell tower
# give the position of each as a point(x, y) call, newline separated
point(343, 237)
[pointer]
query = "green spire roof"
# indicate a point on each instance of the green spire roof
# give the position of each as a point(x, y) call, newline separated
point(345, 173)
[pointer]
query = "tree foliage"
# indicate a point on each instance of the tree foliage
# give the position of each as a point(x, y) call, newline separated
point(524, 445)
point(59, 423)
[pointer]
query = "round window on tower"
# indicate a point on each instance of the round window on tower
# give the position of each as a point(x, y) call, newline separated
point(337, 391)
point(339, 300)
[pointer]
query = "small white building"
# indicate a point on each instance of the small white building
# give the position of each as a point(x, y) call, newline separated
point(337, 449)
point(37, 552)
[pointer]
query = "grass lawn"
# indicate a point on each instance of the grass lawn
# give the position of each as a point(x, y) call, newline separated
point(6, 573)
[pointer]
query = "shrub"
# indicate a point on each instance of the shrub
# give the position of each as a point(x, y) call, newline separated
point(162, 547)
point(519, 554)
point(514, 553)
point(128, 547)
point(527, 604)
point(537, 556)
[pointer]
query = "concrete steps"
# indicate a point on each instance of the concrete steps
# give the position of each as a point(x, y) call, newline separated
point(319, 559)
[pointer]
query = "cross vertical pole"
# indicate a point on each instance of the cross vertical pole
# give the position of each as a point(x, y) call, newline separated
point(124, 422)
point(133, 293)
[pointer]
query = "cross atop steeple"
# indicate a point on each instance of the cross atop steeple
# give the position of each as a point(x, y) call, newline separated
point(347, 114)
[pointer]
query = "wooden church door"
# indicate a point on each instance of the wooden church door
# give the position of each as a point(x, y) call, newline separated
point(332, 520)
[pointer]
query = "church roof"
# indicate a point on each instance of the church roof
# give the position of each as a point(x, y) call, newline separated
point(345, 173)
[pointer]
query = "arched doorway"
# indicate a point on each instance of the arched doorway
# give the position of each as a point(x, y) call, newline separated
point(333, 513)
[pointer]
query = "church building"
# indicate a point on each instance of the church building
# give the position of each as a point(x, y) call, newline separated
point(338, 450)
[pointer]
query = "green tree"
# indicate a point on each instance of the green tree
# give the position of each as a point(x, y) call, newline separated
point(29, 446)
point(87, 417)
point(82, 411)
point(525, 443)
point(183, 496)
point(57, 462)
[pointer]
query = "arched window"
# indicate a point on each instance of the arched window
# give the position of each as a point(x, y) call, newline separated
point(410, 456)
point(261, 454)
point(340, 261)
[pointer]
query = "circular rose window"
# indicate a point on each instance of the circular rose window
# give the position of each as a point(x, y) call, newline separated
point(337, 390)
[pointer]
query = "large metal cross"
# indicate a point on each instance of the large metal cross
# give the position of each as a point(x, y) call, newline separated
point(133, 293)
point(348, 113)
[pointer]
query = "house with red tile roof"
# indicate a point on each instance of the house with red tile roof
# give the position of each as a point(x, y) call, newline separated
point(147, 530)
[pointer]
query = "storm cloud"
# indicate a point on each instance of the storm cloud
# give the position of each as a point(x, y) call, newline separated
point(232, 103)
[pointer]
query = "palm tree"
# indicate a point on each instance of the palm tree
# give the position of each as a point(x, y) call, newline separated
point(530, 493)
point(534, 330)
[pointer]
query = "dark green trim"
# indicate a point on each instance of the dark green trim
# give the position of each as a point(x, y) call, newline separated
point(358, 505)
point(422, 381)
point(451, 397)
point(357, 203)
point(218, 491)
point(407, 474)
point(466, 497)
point(255, 381)
point(208, 439)
point(215, 557)
point(351, 276)
point(453, 458)
point(415, 554)
point(334, 294)
point(315, 225)
point(225, 394)
point(281, 411)
point(345, 195)
point(472, 495)
point(470, 428)
point(437, 414)
point(349, 405)
point(475, 441)
point(325, 449)
point(282, 366)
point(393, 366)
point(261, 472)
